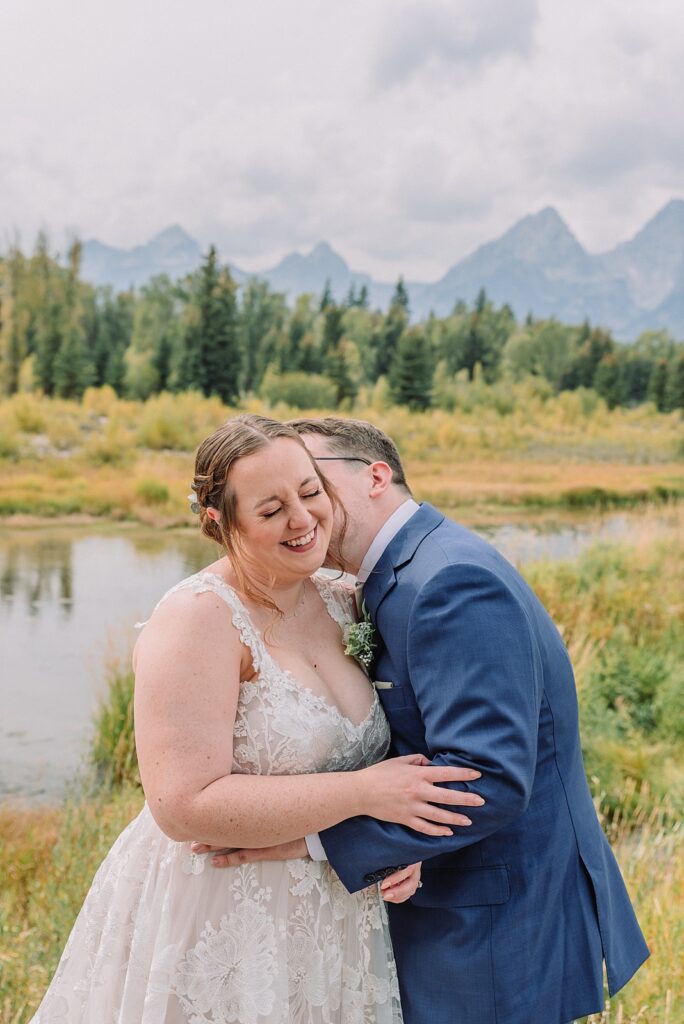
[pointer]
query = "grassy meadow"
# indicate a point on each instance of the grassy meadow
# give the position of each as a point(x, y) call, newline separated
point(619, 606)
point(497, 453)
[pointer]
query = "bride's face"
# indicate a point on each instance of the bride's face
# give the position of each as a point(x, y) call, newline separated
point(284, 517)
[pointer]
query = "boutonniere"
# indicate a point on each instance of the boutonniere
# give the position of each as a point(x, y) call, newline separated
point(359, 638)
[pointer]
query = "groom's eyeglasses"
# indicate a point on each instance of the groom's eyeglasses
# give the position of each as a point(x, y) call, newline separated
point(342, 458)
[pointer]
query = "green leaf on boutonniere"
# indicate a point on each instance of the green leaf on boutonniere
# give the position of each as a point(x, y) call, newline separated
point(359, 639)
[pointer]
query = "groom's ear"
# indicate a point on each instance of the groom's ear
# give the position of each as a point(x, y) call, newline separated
point(381, 479)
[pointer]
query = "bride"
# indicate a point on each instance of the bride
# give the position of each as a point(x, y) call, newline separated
point(253, 728)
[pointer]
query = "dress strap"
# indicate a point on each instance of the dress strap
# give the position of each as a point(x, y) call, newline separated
point(210, 582)
point(338, 598)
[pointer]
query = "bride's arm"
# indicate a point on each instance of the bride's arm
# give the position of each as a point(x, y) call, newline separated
point(188, 665)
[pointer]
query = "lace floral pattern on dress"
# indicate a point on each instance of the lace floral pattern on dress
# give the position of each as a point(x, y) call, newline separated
point(163, 938)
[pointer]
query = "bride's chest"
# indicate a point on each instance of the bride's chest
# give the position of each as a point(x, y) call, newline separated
point(283, 727)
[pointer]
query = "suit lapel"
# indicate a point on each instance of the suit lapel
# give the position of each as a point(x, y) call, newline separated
point(398, 552)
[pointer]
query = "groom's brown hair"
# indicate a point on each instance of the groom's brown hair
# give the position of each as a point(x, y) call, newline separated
point(350, 438)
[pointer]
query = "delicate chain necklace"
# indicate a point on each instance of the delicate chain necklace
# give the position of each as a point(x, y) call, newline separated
point(298, 607)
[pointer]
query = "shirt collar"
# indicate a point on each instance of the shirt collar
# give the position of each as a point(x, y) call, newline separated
point(387, 532)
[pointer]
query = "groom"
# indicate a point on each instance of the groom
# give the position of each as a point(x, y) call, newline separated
point(517, 912)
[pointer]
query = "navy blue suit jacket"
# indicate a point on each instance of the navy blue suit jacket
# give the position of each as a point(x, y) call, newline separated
point(518, 911)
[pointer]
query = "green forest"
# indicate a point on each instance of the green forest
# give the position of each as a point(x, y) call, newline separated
point(60, 335)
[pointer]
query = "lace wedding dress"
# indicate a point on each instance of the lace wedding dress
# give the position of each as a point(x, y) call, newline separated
point(165, 938)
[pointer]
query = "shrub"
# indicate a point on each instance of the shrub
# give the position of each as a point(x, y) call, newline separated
point(299, 390)
point(29, 413)
point(100, 401)
point(152, 492)
point(9, 440)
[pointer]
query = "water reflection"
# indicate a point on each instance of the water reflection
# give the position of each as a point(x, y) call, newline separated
point(38, 572)
point(69, 598)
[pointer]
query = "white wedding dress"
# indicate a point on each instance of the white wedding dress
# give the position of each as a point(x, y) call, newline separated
point(165, 938)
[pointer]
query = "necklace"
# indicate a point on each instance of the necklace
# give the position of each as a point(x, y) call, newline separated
point(298, 606)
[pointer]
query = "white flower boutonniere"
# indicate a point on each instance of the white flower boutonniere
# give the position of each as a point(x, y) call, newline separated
point(359, 638)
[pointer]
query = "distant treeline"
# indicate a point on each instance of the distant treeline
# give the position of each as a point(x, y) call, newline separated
point(60, 335)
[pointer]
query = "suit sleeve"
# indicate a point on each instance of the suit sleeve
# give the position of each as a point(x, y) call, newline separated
point(475, 671)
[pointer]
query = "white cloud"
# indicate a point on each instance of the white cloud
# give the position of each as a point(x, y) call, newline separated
point(404, 134)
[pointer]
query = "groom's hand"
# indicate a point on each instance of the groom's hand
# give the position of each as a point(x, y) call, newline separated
point(285, 851)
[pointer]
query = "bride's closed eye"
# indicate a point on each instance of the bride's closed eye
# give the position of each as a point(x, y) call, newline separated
point(313, 494)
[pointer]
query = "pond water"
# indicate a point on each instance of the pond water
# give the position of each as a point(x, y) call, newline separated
point(69, 598)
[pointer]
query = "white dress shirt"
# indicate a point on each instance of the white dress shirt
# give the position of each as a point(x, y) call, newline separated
point(387, 532)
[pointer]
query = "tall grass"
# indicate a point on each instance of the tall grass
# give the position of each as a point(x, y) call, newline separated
point(100, 457)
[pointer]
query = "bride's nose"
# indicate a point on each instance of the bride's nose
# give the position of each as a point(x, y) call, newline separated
point(299, 517)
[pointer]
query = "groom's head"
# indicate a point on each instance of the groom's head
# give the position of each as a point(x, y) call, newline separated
point(364, 466)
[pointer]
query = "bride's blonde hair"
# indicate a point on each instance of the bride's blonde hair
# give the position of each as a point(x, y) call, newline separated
point(216, 455)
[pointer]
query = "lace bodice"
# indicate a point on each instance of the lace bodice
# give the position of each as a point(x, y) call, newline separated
point(281, 726)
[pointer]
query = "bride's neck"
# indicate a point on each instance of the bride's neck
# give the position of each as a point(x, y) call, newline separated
point(288, 595)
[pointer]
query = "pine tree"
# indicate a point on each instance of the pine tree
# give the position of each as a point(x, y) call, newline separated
point(657, 385)
point(400, 298)
point(339, 374)
point(351, 300)
point(73, 369)
point(675, 389)
point(608, 380)
point(213, 356)
point(326, 297)
point(332, 329)
point(412, 371)
point(261, 321)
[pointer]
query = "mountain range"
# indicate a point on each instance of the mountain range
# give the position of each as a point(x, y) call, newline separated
point(537, 267)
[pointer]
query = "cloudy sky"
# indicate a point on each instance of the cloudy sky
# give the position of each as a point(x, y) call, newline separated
point(404, 132)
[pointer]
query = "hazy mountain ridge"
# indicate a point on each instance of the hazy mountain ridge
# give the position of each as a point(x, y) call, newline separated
point(536, 266)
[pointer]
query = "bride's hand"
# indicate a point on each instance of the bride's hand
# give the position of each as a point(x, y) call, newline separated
point(402, 885)
point(404, 790)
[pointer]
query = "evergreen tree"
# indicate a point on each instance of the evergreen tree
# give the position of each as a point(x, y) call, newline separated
point(657, 385)
point(412, 371)
point(112, 336)
point(339, 373)
point(675, 388)
point(213, 357)
point(608, 380)
point(477, 338)
point(400, 298)
point(332, 329)
point(637, 374)
point(387, 338)
point(261, 321)
point(73, 369)
point(326, 297)
point(362, 300)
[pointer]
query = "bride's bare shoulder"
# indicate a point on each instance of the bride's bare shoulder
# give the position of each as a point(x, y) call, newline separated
point(195, 611)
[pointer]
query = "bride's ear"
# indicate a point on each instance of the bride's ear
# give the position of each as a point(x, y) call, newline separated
point(213, 514)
